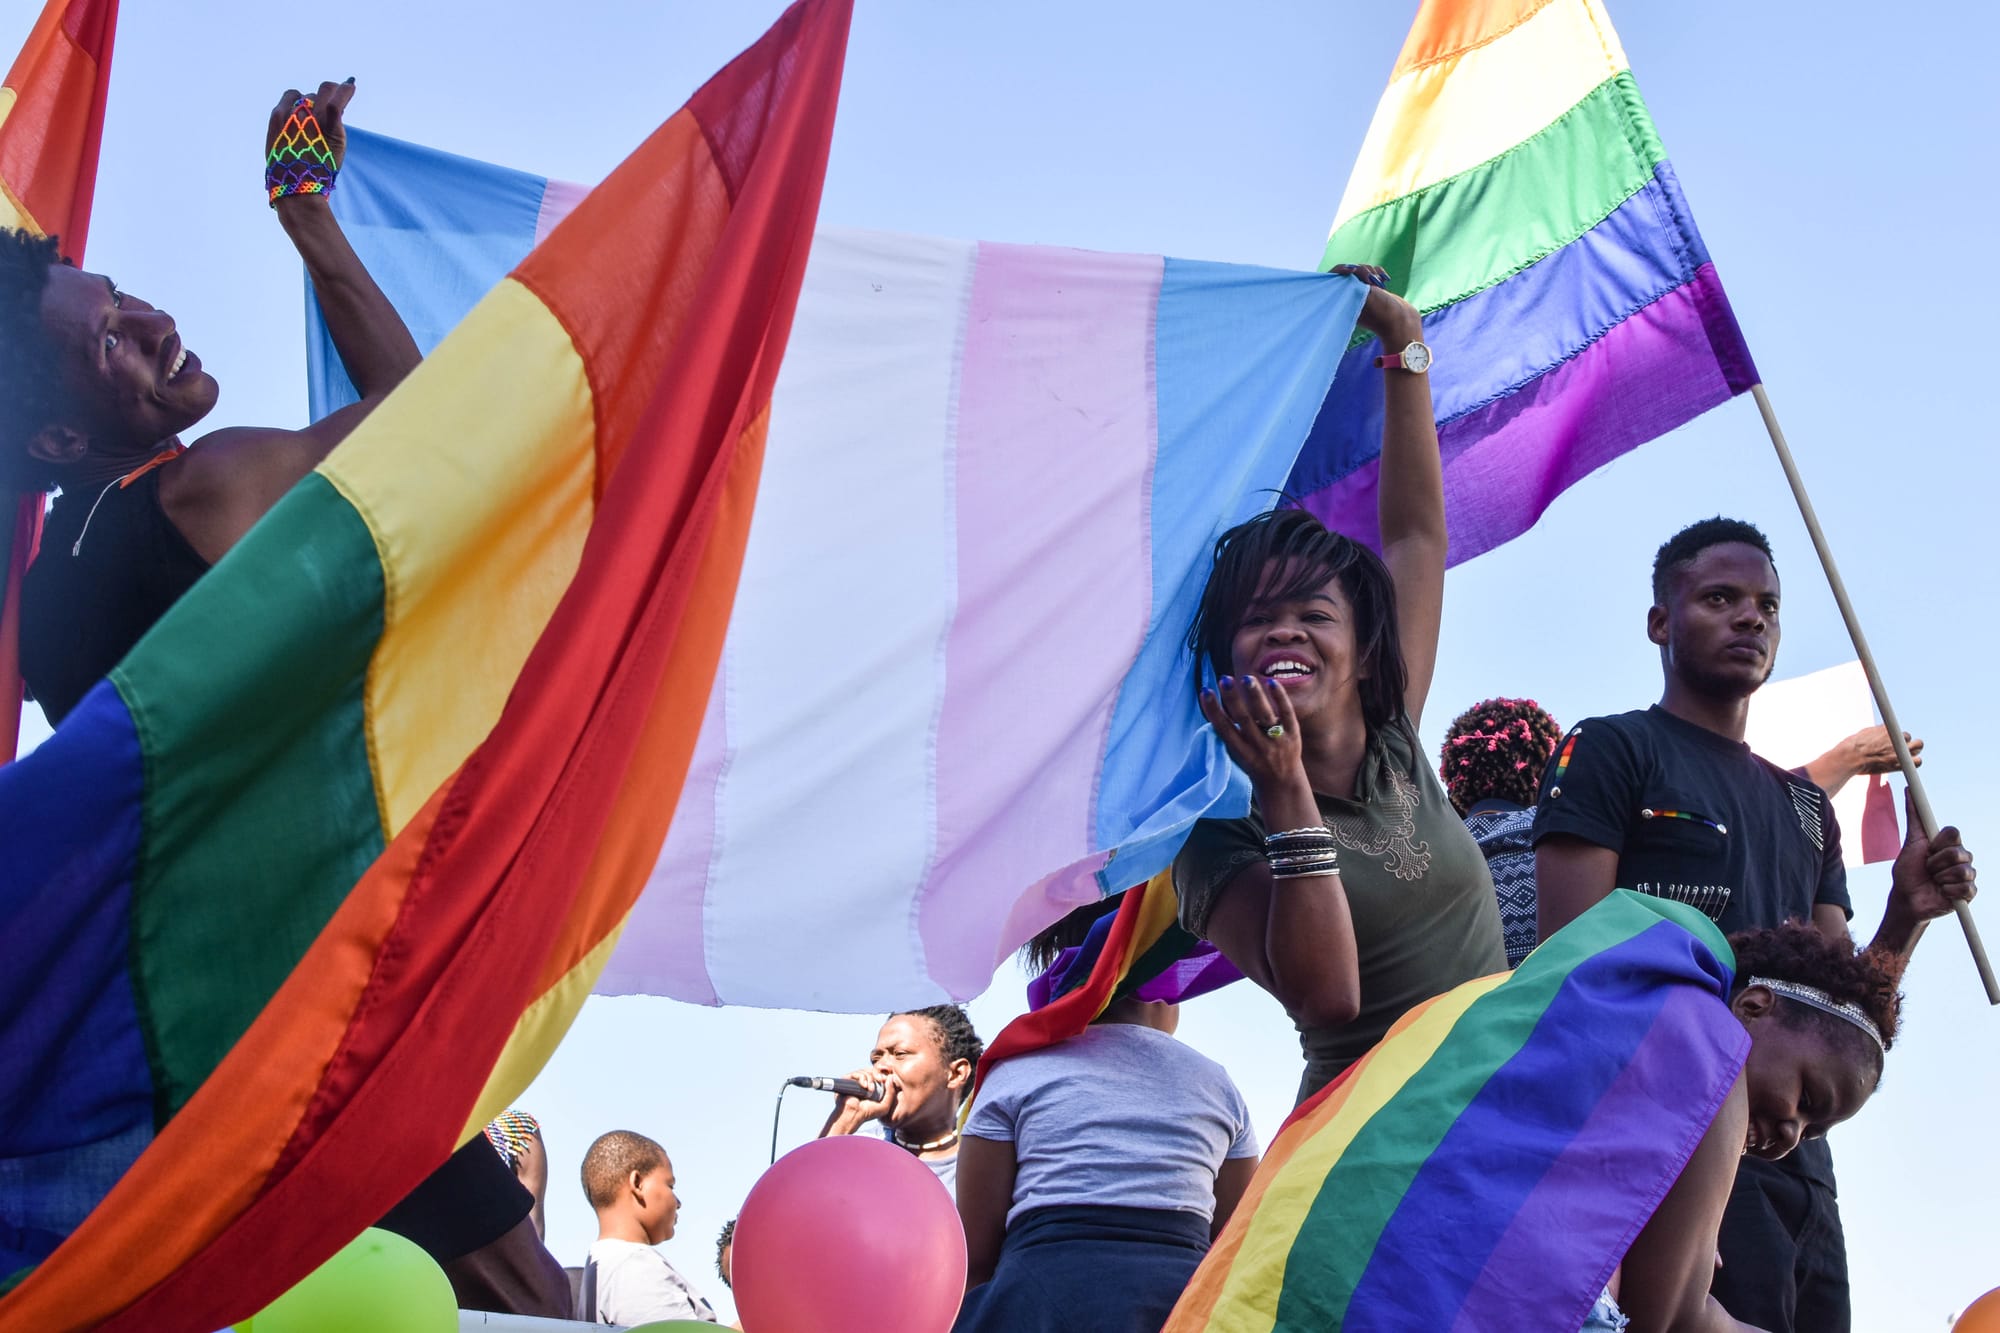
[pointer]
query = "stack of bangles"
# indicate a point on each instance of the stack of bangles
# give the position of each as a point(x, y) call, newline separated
point(1302, 853)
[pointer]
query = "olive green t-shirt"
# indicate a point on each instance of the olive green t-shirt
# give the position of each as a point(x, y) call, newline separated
point(1418, 891)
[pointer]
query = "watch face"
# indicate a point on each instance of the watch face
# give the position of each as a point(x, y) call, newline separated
point(1417, 357)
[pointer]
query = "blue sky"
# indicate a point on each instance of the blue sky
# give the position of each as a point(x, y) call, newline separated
point(1832, 160)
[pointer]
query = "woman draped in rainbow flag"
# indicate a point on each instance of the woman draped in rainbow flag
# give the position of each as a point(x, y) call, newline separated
point(1514, 1141)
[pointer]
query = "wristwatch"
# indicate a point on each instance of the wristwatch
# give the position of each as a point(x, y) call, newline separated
point(1416, 358)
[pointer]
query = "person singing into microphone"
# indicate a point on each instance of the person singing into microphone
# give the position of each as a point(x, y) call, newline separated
point(922, 1065)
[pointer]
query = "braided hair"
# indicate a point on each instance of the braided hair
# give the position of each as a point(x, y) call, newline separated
point(1797, 951)
point(956, 1037)
point(1496, 750)
point(30, 374)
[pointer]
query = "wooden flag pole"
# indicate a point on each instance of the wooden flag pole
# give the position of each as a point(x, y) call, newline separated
point(1922, 801)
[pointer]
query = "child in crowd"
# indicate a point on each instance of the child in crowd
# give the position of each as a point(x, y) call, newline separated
point(922, 1063)
point(1095, 1171)
point(1492, 762)
point(630, 1183)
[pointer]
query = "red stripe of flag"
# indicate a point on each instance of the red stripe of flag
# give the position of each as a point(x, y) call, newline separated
point(48, 163)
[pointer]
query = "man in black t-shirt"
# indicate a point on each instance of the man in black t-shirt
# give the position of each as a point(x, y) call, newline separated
point(1670, 801)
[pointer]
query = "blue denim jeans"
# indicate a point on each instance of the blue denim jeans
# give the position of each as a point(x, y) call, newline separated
point(1604, 1317)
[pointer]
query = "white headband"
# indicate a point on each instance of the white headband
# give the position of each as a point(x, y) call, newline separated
point(1819, 999)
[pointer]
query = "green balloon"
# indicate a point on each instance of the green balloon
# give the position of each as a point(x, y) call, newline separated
point(379, 1282)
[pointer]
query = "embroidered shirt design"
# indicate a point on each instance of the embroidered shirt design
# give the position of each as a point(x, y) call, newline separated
point(1393, 833)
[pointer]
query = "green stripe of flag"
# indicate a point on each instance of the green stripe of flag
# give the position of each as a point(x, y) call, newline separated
point(260, 810)
point(1462, 235)
point(1365, 1187)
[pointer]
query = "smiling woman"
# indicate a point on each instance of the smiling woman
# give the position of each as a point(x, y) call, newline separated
point(1351, 892)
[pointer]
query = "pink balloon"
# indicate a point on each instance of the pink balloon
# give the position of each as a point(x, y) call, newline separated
point(848, 1235)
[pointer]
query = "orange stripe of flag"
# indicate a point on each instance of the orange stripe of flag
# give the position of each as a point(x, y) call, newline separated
point(49, 138)
point(1307, 1119)
point(194, 1178)
point(510, 854)
point(1446, 28)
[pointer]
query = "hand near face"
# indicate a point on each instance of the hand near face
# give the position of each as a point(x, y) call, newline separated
point(854, 1112)
point(1244, 711)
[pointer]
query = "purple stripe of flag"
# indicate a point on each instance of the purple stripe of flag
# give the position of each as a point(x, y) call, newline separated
point(1506, 462)
point(1612, 1010)
point(1589, 1189)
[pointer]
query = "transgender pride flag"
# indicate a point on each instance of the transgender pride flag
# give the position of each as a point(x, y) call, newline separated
point(953, 700)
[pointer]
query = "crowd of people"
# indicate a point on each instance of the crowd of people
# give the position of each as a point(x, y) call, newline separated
point(1091, 1176)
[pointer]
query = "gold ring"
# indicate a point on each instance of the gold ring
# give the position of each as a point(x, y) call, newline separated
point(1275, 730)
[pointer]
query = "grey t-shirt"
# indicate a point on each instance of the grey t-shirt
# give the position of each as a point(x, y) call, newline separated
point(636, 1285)
point(1118, 1115)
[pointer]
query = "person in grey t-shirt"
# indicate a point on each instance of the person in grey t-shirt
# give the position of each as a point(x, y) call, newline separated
point(1093, 1175)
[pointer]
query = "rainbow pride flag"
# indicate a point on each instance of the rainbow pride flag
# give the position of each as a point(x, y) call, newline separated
point(1140, 949)
point(288, 917)
point(51, 123)
point(1514, 186)
point(955, 700)
point(1487, 1165)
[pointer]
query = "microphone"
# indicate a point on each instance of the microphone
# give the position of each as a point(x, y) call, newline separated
point(845, 1087)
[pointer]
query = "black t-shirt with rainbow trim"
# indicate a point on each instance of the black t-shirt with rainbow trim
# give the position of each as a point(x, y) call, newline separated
point(1695, 817)
point(1700, 819)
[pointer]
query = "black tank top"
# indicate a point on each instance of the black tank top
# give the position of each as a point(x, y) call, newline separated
point(83, 607)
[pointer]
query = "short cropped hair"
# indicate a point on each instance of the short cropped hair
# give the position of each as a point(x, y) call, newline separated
point(1798, 951)
point(30, 373)
point(722, 1248)
point(1679, 550)
point(611, 1161)
point(1496, 750)
point(956, 1037)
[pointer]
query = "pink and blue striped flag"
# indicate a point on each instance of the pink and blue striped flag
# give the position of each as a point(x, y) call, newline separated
point(954, 699)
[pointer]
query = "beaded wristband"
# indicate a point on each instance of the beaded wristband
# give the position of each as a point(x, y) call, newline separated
point(301, 160)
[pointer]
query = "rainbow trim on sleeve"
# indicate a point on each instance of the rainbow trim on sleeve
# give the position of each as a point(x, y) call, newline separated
point(1488, 1164)
point(1514, 186)
point(346, 839)
point(51, 123)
